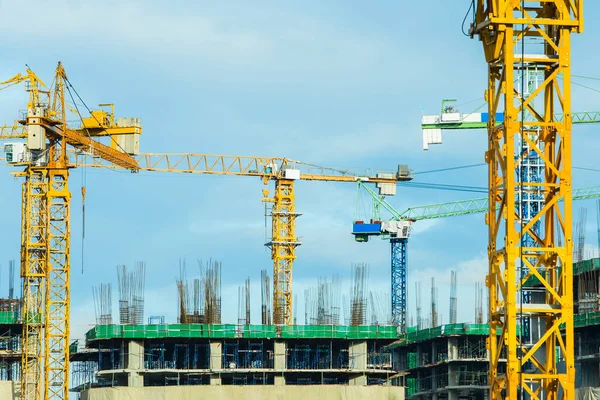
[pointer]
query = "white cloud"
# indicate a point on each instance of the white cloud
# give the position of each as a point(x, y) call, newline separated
point(222, 44)
point(137, 25)
point(425, 225)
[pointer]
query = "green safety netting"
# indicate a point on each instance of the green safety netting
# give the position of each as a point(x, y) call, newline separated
point(586, 266)
point(411, 386)
point(414, 335)
point(588, 319)
point(9, 317)
point(223, 331)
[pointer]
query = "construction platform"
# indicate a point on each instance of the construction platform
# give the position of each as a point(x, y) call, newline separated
point(138, 356)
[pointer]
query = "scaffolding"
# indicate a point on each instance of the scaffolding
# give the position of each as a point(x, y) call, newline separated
point(306, 355)
point(440, 351)
point(472, 348)
point(110, 357)
point(10, 332)
point(10, 355)
point(253, 356)
point(378, 357)
point(83, 374)
point(470, 375)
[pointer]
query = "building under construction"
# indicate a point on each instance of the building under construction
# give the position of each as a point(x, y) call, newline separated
point(336, 351)
point(448, 361)
point(228, 354)
point(10, 335)
point(345, 346)
point(451, 361)
point(587, 323)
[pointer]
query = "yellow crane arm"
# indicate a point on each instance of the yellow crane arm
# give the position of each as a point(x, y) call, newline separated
point(30, 76)
point(16, 131)
point(89, 146)
point(101, 151)
point(217, 164)
point(19, 129)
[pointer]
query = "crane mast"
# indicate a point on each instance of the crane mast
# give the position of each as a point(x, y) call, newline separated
point(45, 231)
point(57, 297)
point(33, 260)
point(283, 248)
point(517, 37)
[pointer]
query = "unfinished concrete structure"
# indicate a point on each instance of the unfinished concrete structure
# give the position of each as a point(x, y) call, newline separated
point(10, 339)
point(445, 362)
point(10, 346)
point(138, 356)
point(586, 280)
point(10, 331)
point(451, 361)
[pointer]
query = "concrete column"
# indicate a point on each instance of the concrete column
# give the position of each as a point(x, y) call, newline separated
point(216, 362)
point(135, 362)
point(396, 358)
point(452, 367)
point(452, 348)
point(357, 352)
point(453, 394)
point(279, 362)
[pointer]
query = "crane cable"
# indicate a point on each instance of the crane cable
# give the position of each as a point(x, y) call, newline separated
point(83, 178)
point(431, 171)
point(442, 186)
point(462, 26)
point(70, 86)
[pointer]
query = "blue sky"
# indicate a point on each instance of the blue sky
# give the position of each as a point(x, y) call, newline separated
point(334, 83)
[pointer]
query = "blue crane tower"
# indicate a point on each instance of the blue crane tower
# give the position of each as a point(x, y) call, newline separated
point(397, 230)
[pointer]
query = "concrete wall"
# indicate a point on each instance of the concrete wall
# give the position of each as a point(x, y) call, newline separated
point(329, 392)
point(7, 390)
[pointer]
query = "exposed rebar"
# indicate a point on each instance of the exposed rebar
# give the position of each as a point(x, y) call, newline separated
point(453, 298)
point(358, 300)
point(103, 303)
point(131, 293)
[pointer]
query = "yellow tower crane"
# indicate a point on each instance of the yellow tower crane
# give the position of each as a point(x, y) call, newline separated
point(521, 37)
point(45, 232)
point(46, 201)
